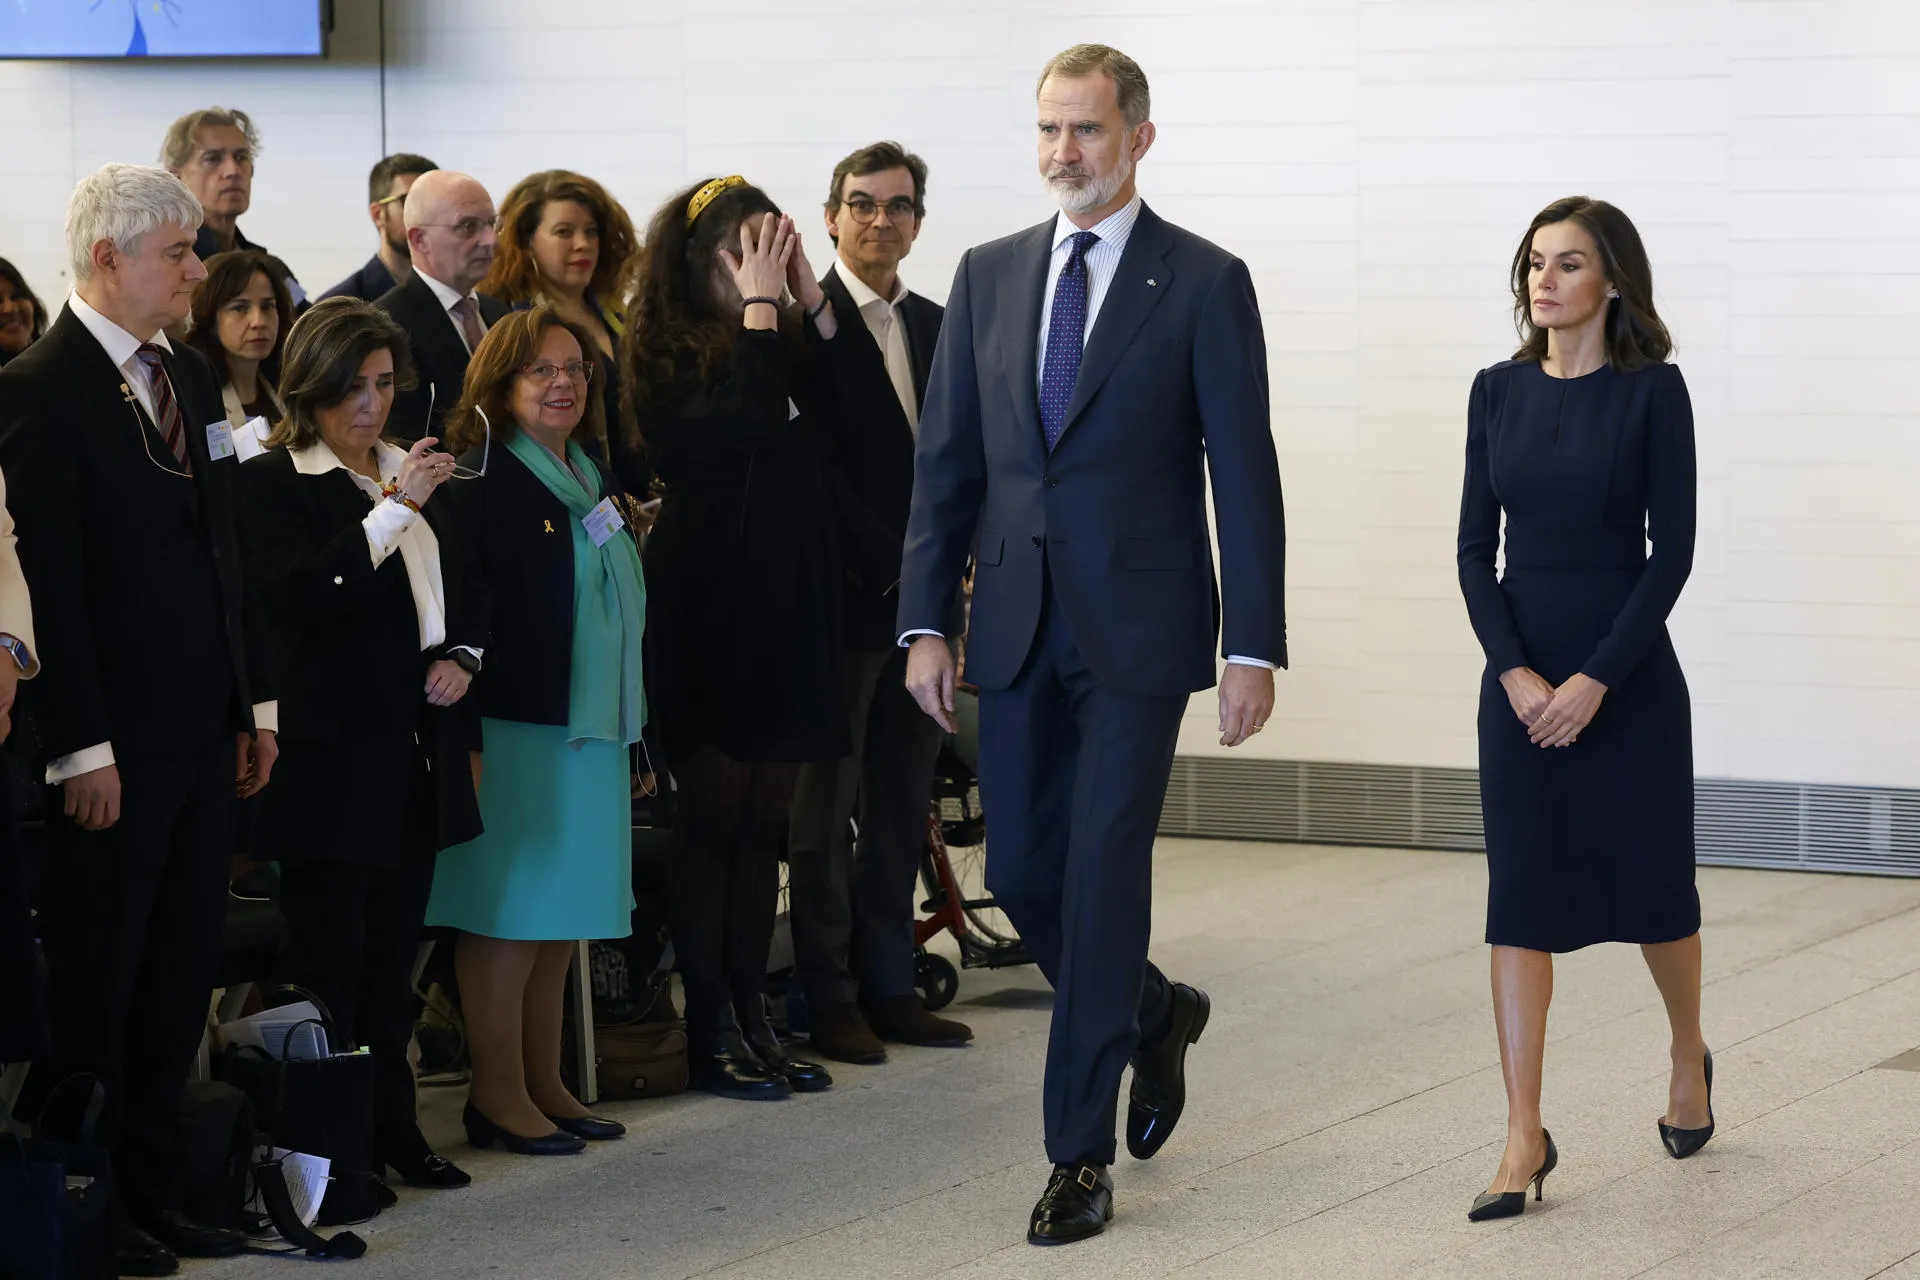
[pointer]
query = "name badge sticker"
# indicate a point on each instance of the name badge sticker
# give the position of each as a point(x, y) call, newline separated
point(219, 440)
point(603, 522)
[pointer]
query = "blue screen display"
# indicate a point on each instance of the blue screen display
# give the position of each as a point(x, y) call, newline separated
point(161, 28)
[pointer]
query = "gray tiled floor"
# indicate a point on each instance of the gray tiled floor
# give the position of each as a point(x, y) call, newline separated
point(1346, 1106)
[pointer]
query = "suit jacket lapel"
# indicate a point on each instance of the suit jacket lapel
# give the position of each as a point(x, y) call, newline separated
point(1019, 322)
point(921, 340)
point(1139, 282)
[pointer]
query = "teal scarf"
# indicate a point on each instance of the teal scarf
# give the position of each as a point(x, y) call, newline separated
point(609, 605)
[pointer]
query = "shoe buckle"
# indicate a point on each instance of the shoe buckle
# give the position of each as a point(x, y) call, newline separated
point(1087, 1178)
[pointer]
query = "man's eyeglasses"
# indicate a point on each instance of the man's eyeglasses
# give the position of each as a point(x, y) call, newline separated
point(899, 209)
point(578, 370)
point(398, 197)
point(466, 228)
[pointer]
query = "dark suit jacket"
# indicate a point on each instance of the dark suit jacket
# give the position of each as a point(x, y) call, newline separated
point(518, 532)
point(343, 639)
point(134, 568)
point(369, 284)
point(439, 356)
point(876, 446)
point(1172, 388)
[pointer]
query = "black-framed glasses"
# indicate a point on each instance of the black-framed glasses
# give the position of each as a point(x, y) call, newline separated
point(578, 370)
point(899, 209)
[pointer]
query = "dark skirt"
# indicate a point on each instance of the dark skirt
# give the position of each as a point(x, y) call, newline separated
point(1593, 842)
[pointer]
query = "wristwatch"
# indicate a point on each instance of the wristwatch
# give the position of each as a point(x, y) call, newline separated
point(17, 650)
point(466, 661)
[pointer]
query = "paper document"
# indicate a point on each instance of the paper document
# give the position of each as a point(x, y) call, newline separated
point(269, 1030)
point(306, 1184)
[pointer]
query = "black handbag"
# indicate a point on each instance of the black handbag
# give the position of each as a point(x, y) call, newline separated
point(321, 1107)
point(56, 1190)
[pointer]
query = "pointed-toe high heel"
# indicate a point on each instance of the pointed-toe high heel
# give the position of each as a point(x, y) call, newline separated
point(1511, 1204)
point(1681, 1143)
point(483, 1133)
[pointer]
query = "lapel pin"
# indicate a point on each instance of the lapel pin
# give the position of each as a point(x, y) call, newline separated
point(1151, 282)
point(549, 524)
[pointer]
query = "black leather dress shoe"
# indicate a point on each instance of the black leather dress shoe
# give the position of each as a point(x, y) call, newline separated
point(591, 1128)
point(482, 1132)
point(1077, 1204)
point(189, 1239)
point(138, 1254)
point(1159, 1092)
point(435, 1172)
point(805, 1077)
point(724, 1064)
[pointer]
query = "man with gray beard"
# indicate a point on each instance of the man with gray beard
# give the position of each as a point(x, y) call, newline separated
point(1091, 373)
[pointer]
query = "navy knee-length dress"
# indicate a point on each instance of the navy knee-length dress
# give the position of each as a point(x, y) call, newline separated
point(1592, 842)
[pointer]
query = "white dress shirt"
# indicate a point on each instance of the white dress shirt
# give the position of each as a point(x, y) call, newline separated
point(124, 350)
point(449, 299)
point(889, 332)
point(1101, 260)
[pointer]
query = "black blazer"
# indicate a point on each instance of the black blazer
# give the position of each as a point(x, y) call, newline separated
point(439, 355)
point(523, 550)
point(369, 284)
point(134, 568)
point(343, 641)
point(876, 448)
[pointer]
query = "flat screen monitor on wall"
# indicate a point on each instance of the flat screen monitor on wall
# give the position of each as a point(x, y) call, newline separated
point(163, 28)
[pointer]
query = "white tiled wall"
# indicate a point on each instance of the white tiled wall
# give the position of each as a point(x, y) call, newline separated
point(1374, 161)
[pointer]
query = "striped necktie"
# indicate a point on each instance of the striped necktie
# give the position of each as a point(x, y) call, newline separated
point(166, 410)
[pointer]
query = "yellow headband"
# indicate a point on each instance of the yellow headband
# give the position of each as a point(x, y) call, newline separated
point(708, 194)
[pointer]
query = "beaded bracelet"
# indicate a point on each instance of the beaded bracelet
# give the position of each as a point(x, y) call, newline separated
point(772, 302)
point(393, 491)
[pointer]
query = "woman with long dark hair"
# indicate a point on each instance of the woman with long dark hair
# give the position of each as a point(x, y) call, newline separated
point(744, 568)
point(1584, 443)
point(23, 317)
point(242, 314)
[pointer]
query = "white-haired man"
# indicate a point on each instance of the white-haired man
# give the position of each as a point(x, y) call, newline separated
point(121, 475)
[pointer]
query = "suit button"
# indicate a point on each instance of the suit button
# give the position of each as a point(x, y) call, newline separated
point(338, 580)
point(1052, 483)
point(1036, 539)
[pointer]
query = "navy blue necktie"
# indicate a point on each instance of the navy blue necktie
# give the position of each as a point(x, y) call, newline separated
point(1066, 338)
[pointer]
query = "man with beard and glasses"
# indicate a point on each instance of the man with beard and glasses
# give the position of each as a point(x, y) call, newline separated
point(1092, 372)
point(387, 187)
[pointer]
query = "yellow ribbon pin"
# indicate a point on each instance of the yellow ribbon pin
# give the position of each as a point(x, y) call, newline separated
point(549, 525)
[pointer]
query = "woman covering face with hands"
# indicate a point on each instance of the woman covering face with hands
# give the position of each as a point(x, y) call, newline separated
point(733, 390)
point(370, 626)
point(1583, 442)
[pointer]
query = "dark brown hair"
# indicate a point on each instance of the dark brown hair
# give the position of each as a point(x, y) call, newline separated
point(228, 276)
point(879, 158)
point(515, 277)
point(323, 357)
point(510, 346)
point(398, 165)
point(21, 290)
point(1129, 81)
point(1636, 336)
point(678, 339)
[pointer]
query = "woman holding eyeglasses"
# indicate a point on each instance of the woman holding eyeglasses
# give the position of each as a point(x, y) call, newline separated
point(371, 625)
point(561, 700)
point(566, 242)
point(240, 319)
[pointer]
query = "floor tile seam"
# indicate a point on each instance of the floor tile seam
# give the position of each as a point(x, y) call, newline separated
point(1891, 1265)
point(864, 1216)
point(1774, 1208)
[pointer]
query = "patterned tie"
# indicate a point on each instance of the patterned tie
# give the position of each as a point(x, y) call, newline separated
point(166, 410)
point(469, 312)
point(1066, 336)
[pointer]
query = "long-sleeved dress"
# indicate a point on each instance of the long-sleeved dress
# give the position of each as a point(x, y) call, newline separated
point(1593, 842)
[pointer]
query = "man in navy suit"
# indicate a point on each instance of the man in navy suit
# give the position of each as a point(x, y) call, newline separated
point(1092, 371)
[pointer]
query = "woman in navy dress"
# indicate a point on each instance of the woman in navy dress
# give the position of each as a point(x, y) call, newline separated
point(1584, 442)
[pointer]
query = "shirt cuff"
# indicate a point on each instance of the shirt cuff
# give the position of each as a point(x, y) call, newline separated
point(384, 525)
point(906, 637)
point(86, 760)
point(479, 655)
point(1235, 660)
point(266, 716)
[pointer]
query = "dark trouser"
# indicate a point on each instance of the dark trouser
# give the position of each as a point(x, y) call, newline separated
point(1072, 777)
point(852, 903)
point(131, 918)
point(723, 886)
point(355, 932)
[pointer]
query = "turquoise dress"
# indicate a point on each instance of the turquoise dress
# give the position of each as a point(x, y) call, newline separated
point(555, 861)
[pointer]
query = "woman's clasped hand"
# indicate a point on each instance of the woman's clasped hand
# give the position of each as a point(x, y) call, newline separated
point(1554, 717)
